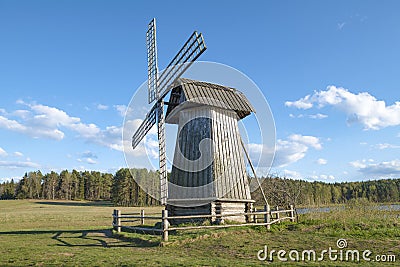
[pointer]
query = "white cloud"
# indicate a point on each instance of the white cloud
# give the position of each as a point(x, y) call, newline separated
point(296, 116)
point(85, 130)
point(110, 137)
point(311, 116)
point(102, 107)
point(322, 177)
point(292, 174)
point(89, 154)
point(18, 154)
point(306, 140)
point(385, 146)
point(42, 121)
point(303, 103)
point(360, 108)
point(52, 118)
point(88, 157)
point(22, 113)
point(380, 169)
point(91, 161)
point(286, 152)
point(360, 163)
point(18, 164)
point(318, 116)
point(121, 109)
point(3, 153)
point(48, 122)
point(11, 124)
point(147, 147)
point(321, 161)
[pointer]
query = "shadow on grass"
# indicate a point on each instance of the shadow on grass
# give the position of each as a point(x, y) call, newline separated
point(89, 238)
point(100, 203)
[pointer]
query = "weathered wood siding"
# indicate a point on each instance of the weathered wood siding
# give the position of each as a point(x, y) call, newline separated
point(201, 171)
point(229, 171)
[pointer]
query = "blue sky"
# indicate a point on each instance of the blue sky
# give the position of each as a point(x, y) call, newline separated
point(329, 70)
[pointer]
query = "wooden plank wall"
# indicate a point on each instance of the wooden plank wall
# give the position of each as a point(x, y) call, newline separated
point(227, 169)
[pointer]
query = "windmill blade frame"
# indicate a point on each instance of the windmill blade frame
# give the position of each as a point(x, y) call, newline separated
point(190, 51)
point(162, 153)
point(158, 88)
point(152, 65)
point(145, 126)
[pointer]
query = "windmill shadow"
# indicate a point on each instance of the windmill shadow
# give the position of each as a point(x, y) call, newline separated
point(99, 238)
point(99, 203)
point(89, 238)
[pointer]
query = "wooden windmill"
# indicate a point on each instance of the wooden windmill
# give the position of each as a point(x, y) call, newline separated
point(209, 173)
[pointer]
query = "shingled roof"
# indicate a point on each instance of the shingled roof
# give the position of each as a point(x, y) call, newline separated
point(205, 93)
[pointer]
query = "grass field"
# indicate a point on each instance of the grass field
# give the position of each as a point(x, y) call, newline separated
point(57, 233)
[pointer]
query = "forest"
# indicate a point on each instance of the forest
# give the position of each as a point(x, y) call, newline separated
point(122, 189)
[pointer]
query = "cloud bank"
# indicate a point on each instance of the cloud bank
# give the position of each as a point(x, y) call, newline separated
point(360, 108)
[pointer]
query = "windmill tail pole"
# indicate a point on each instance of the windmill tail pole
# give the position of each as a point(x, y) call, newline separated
point(254, 172)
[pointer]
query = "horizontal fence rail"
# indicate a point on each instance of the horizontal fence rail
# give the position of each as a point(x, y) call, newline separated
point(264, 217)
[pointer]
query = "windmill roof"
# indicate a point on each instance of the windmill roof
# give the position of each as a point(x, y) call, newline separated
point(186, 90)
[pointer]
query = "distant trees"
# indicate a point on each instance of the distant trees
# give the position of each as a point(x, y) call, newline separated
point(120, 188)
point(123, 190)
point(7, 190)
point(281, 191)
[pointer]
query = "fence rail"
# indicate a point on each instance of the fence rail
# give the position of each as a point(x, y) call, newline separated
point(267, 215)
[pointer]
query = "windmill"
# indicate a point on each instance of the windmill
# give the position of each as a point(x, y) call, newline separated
point(159, 87)
point(206, 178)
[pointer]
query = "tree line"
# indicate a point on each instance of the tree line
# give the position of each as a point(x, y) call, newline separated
point(280, 191)
point(119, 188)
point(123, 190)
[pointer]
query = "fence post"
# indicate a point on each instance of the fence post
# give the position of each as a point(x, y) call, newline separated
point(113, 218)
point(277, 213)
point(118, 213)
point(291, 213)
point(255, 215)
point(142, 217)
point(267, 215)
point(165, 225)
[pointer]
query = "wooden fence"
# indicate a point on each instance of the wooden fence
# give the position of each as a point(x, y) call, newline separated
point(265, 217)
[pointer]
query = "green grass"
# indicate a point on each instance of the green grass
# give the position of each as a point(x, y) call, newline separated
point(54, 233)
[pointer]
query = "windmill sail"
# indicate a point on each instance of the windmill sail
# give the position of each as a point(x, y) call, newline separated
point(152, 61)
point(145, 127)
point(158, 87)
point(190, 51)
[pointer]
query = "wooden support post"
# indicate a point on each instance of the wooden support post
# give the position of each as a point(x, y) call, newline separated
point(292, 213)
point(267, 216)
point(277, 214)
point(114, 221)
point(142, 217)
point(165, 225)
point(118, 213)
point(255, 215)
